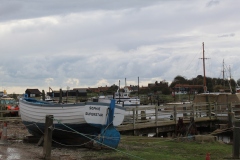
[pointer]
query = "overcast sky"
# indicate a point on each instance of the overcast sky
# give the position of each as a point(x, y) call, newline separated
point(92, 43)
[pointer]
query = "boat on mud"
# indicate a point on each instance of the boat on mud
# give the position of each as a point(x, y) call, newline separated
point(74, 123)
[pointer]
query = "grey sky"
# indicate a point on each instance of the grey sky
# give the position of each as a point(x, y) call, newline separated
point(61, 43)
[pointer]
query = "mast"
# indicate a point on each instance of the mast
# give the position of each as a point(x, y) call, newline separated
point(125, 82)
point(223, 74)
point(138, 87)
point(119, 92)
point(204, 74)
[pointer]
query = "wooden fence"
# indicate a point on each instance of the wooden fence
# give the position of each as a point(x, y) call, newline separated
point(8, 115)
point(168, 114)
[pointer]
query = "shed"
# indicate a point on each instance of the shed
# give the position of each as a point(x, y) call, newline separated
point(33, 93)
point(82, 92)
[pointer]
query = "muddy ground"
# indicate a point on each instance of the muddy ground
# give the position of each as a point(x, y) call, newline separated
point(17, 149)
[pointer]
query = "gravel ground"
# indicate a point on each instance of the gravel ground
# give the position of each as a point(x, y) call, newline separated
point(17, 149)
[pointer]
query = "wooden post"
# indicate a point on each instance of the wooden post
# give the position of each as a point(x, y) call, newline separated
point(1, 105)
point(210, 111)
point(216, 110)
point(134, 118)
point(43, 95)
point(156, 119)
point(194, 111)
point(230, 116)
point(136, 113)
point(47, 145)
point(236, 139)
point(175, 114)
point(60, 96)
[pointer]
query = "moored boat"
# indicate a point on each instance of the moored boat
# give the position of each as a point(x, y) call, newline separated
point(121, 98)
point(74, 123)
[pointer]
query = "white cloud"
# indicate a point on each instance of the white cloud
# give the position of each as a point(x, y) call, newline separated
point(102, 42)
point(49, 81)
point(102, 83)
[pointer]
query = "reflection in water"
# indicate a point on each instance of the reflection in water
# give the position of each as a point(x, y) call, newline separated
point(12, 154)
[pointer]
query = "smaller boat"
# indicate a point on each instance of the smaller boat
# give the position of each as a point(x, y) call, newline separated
point(48, 99)
point(121, 98)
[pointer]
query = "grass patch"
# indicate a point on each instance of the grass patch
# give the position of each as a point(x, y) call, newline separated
point(132, 148)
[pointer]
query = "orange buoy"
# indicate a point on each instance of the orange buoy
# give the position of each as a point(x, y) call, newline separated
point(208, 156)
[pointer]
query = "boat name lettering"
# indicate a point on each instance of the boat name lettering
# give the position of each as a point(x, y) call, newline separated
point(93, 114)
point(94, 108)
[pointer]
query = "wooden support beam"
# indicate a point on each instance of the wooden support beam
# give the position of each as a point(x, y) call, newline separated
point(236, 140)
point(134, 120)
point(47, 145)
point(156, 119)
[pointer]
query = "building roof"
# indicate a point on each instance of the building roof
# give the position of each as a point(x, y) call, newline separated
point(33, 91)
point(187, 86)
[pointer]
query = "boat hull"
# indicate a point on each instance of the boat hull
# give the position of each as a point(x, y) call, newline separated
point(70, 125)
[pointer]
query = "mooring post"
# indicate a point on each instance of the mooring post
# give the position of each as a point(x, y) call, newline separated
point(47, 145)
point(134, 119)
point(194, 111)
point(210, 111)
point(216, 110)
point(156, 119)
point(175, 114)
point(76, 100)
point(230, 116)
point(43, 95)
point(60, 96)
point(236, 139)
point(1, 115)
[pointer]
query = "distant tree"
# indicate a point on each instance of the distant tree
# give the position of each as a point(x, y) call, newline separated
point(112, 89)
point(178, 80)
point(166, 91)
point(144, 90)
point(89, 91)
point(238, 82)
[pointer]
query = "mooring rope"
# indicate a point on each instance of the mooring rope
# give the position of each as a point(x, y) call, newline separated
point(99, 142)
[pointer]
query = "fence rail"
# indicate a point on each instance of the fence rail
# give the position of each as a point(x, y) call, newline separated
point(153, 115)
point(168, 114)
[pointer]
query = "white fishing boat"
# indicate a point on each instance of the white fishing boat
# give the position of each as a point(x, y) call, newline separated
point(77, 122)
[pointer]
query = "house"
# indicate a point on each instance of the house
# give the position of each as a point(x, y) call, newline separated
point(80, 91)
point(33, 93)
point(103, 89)
point(185, 89)
point(161, 83)
point(1, 93)
point(127, 89)
point(69, 93)
point(93, 90)
point(134, 88)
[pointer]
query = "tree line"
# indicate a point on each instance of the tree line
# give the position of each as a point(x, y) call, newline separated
point(213, 85)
